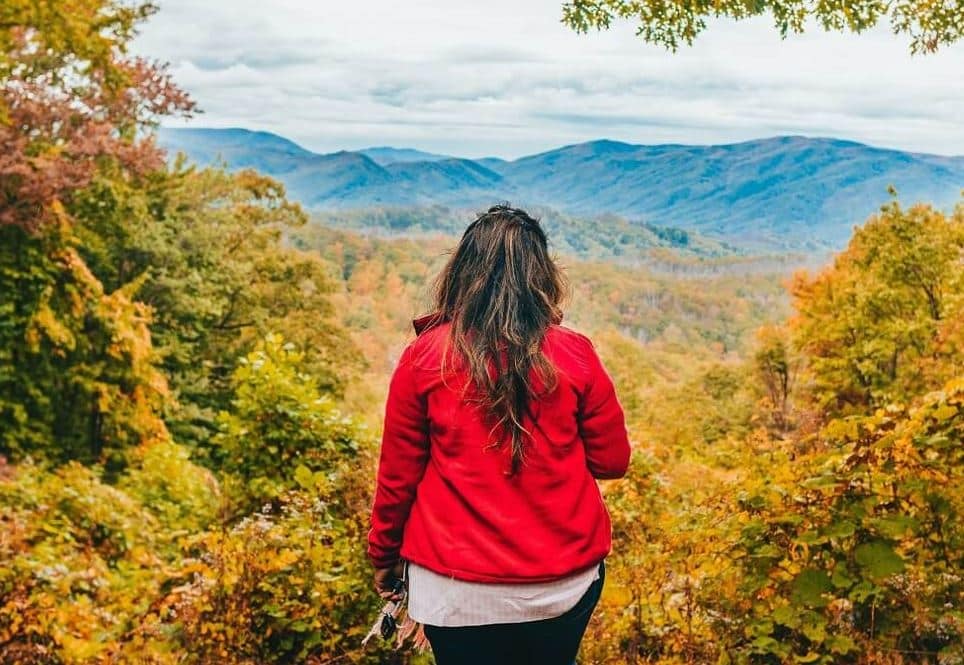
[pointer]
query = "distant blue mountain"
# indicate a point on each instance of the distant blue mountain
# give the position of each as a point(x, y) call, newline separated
point(232, 145)
point(778, 190)
point(387, 155)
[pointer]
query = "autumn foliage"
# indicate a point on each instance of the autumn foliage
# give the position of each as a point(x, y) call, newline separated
point(72, 98)
point(192, 373)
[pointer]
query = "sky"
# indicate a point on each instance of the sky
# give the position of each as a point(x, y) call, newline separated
point(505, 78)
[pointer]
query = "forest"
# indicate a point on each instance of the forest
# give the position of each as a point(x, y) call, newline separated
point(192, 372)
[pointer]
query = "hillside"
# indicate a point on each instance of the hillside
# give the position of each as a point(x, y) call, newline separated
point(606, 237)
point(779, 191)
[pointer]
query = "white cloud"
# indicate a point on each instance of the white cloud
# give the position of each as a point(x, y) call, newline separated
point(506, 78)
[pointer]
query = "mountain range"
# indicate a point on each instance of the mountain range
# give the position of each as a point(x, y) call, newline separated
point(775, 190)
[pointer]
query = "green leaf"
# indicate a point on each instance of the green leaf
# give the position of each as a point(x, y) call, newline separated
point(811, 538)
point(818, 482)
point(840, 579)
point(862, 591)
point(786, 616)
point(815, 629)
point(304, 477)
point(944, 412)
point(768, 551)
point(895, 526)
point(788, 520)
point(841, 644)
point(840, 529)
point(879, 559)
point(810, 586)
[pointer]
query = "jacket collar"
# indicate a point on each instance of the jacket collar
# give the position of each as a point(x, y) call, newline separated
point(423, 323)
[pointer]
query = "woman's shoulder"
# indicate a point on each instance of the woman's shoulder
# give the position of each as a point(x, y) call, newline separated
point(561, 334)
point(426, 347)
point(570, 350)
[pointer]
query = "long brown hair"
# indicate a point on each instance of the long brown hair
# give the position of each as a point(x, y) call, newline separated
point(501, 290)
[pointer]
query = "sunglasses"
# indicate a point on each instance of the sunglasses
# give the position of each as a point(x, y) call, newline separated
point(387, 622)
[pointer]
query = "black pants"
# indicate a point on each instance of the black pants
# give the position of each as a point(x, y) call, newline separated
point(547, 642)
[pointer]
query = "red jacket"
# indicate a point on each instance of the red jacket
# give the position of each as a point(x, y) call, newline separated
point(445, 502)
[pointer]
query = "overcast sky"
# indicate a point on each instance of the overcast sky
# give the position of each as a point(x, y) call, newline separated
point(506, 78)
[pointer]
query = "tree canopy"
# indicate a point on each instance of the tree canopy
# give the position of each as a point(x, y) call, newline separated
point(671, 23)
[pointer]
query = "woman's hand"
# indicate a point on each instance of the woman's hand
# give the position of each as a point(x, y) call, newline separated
point(385, 579)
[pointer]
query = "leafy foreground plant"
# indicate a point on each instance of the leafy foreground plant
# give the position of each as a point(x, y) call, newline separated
point(866, 553)
point(155, 568)
point(92, 574)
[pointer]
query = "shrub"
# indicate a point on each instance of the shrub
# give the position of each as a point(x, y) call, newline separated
point(79, 563)
point(282, 586)
point(280, 426)
point(863, 553)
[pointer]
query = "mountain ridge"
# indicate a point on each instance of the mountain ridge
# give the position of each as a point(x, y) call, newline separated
point(387, 154)
point(771, 189)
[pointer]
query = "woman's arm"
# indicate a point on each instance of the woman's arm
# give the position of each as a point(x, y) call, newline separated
point(602, 424)
point(404, 455)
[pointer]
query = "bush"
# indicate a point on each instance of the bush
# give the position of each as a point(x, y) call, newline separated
point(79, 562)
point(281, 428)
point(182, 496)
point(863, 553)
point(281, 586)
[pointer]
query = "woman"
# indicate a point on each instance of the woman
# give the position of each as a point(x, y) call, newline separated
point(498, 422)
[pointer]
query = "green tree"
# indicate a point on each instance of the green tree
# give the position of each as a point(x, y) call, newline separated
point(776, 370)
point(851, 554)
point(77, 372)
point(871, 323)
point(208, 251)
point(78, 378)
point(670, 23)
